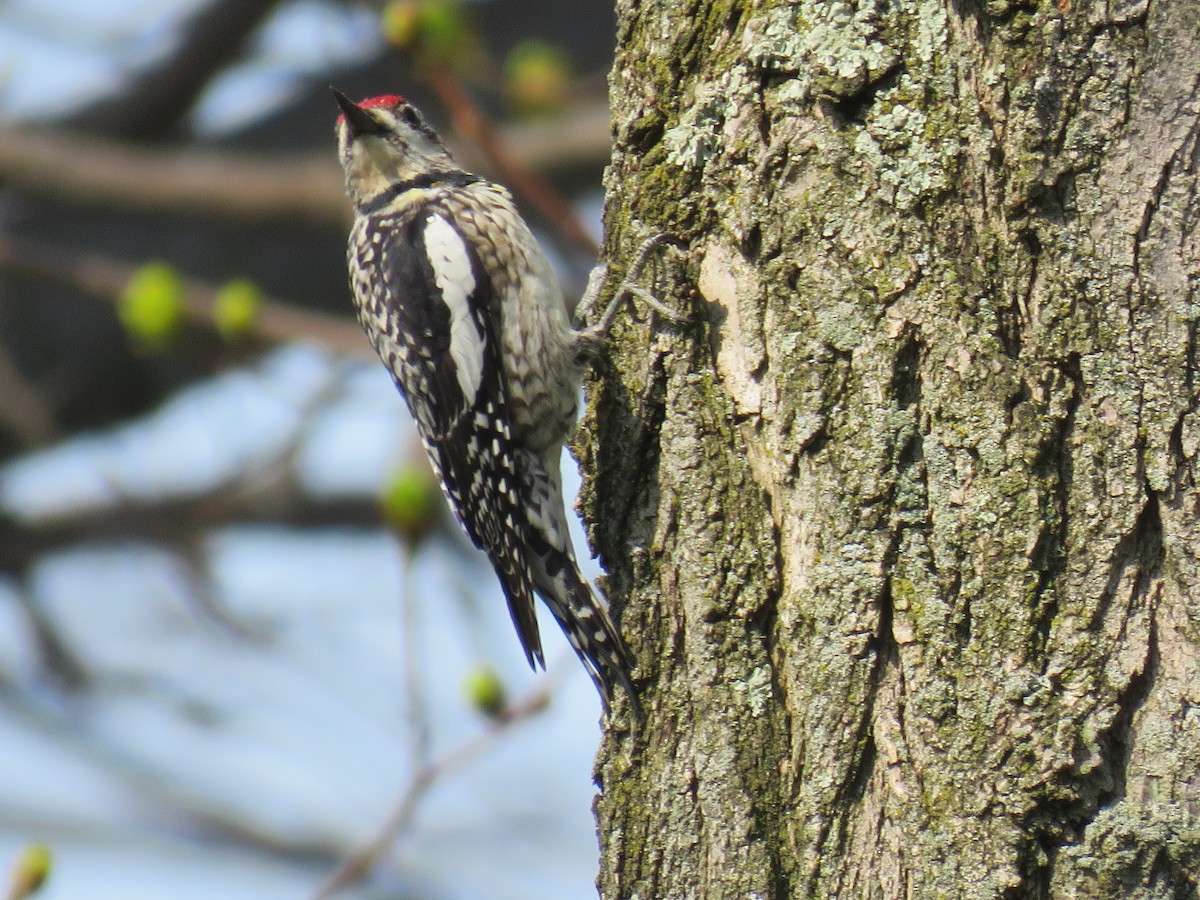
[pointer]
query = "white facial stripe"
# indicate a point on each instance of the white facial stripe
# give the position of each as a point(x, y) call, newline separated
point(452, 269)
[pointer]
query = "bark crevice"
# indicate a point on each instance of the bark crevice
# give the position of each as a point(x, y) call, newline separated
point(922, 513)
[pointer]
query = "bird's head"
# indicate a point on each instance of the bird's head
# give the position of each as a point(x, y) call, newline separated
point(384, 141)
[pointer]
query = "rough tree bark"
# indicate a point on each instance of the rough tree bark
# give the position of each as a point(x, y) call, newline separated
point(905, 528)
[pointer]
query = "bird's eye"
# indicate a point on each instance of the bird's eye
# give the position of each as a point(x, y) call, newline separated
point(411, 118)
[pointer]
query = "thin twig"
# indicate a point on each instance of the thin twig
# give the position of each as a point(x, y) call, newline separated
point(419, 729)
point(359, 864)
point(21, 407)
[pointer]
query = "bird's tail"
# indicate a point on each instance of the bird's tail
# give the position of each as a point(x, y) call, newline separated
point(590, 630)
point(581, 614)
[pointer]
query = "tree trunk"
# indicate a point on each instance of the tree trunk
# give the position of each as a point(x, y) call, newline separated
point(904, 527)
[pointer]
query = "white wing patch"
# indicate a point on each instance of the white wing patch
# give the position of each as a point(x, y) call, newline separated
point(452, 270)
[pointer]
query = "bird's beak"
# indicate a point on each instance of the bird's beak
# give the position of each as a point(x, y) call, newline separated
point(359, 120)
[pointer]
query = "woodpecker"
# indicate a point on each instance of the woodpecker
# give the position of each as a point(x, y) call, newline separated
point(464, 310)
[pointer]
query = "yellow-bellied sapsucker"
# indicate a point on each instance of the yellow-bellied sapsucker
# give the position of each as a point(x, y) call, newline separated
point(465, 312)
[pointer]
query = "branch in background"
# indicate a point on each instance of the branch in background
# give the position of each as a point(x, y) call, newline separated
point(57, 661)
point(77, 167)
point(173, 522)
point(202, 595)
point(359, 864)
point(106, 279)
point(160, 95)
point(265, 491)
point(22, 411)
point(173, 519)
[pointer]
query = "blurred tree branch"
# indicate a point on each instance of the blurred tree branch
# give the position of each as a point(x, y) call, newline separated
point(79, 167)
point(171, 519)
point(358, 865)
point(175, 523)
point(158, 96)
point(22, 411)
point(104, 278)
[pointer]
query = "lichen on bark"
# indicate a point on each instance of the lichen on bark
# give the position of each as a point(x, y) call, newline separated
point(903, 524)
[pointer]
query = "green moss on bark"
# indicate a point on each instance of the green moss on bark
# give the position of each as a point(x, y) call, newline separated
point(890, 521)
